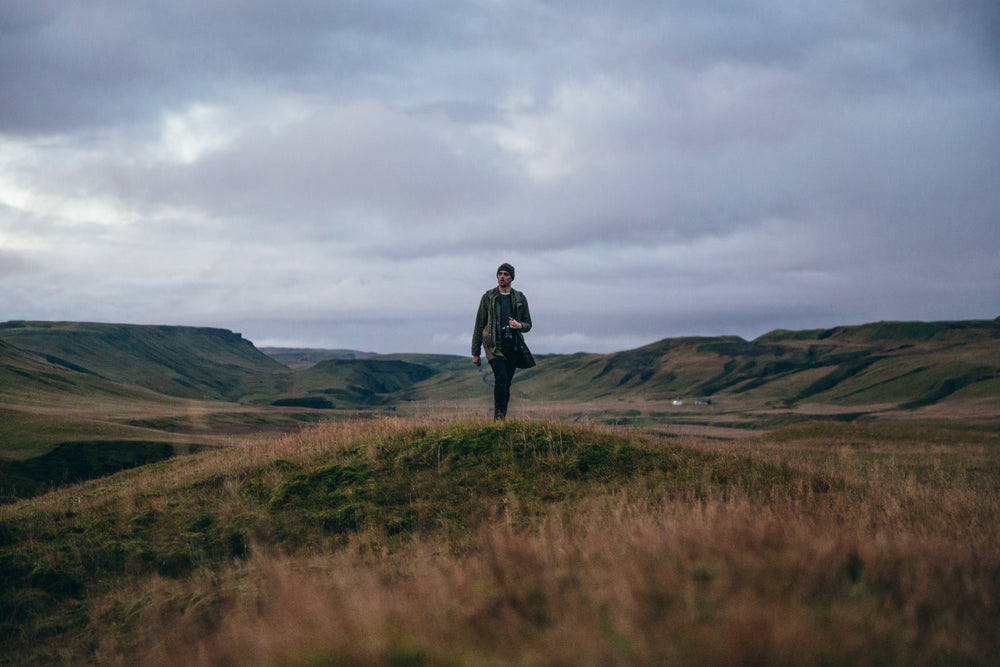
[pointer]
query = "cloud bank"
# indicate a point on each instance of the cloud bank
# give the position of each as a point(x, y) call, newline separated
point(350, 174)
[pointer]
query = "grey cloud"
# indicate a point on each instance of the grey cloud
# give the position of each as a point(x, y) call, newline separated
point(362, 164)
point(79, 64)
point(14, 264)
point(973, 23)
point(691, 168)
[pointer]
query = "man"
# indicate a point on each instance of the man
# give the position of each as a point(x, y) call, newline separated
point(501, 322)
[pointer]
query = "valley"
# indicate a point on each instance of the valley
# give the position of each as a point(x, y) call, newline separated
point(65, 384)
point(176, 496)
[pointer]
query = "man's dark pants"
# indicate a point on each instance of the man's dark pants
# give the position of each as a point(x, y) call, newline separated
point(503, 374)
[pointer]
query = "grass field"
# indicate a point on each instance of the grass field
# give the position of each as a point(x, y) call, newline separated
point(834, 503)
point(446, 540)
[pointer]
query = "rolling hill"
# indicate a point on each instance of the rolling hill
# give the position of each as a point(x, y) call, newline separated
point(898, 365)
point(85, 393)
point(905, 364)
point(70, 413)
point(44, 405)
point(188, 362)
point(28, 378)
point(877, 369)
point(47, 440)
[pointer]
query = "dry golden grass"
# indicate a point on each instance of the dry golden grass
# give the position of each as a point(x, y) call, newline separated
point(619, 583)
point(883, 549)
point(899, 565)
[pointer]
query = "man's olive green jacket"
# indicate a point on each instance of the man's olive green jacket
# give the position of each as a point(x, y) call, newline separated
point(487, 332)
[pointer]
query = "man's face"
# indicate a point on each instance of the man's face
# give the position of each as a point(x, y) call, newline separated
point(503, 279)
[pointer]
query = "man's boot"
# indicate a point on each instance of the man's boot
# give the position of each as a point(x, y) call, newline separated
point(499, 415)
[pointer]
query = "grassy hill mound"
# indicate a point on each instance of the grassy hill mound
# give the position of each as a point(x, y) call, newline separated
point(397, 541)
point(189, 362)
point(387, 481)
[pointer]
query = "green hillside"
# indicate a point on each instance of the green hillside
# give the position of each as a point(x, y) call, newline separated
point(189, 362)
point(353, 383)
point(27, 378)
point(43, 404)
point(907, 364)
point(60, 422)
point(897, 365)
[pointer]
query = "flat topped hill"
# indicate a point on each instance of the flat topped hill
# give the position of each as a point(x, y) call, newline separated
point(189, 362)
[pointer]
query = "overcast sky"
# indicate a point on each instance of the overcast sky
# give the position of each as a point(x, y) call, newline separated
point(349, 174)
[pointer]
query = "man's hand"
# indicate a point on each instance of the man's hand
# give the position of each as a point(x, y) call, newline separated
point(514, 324)
point(476, 360)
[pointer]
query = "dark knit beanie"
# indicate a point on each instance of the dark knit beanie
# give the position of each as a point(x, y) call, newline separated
point(508, 268)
